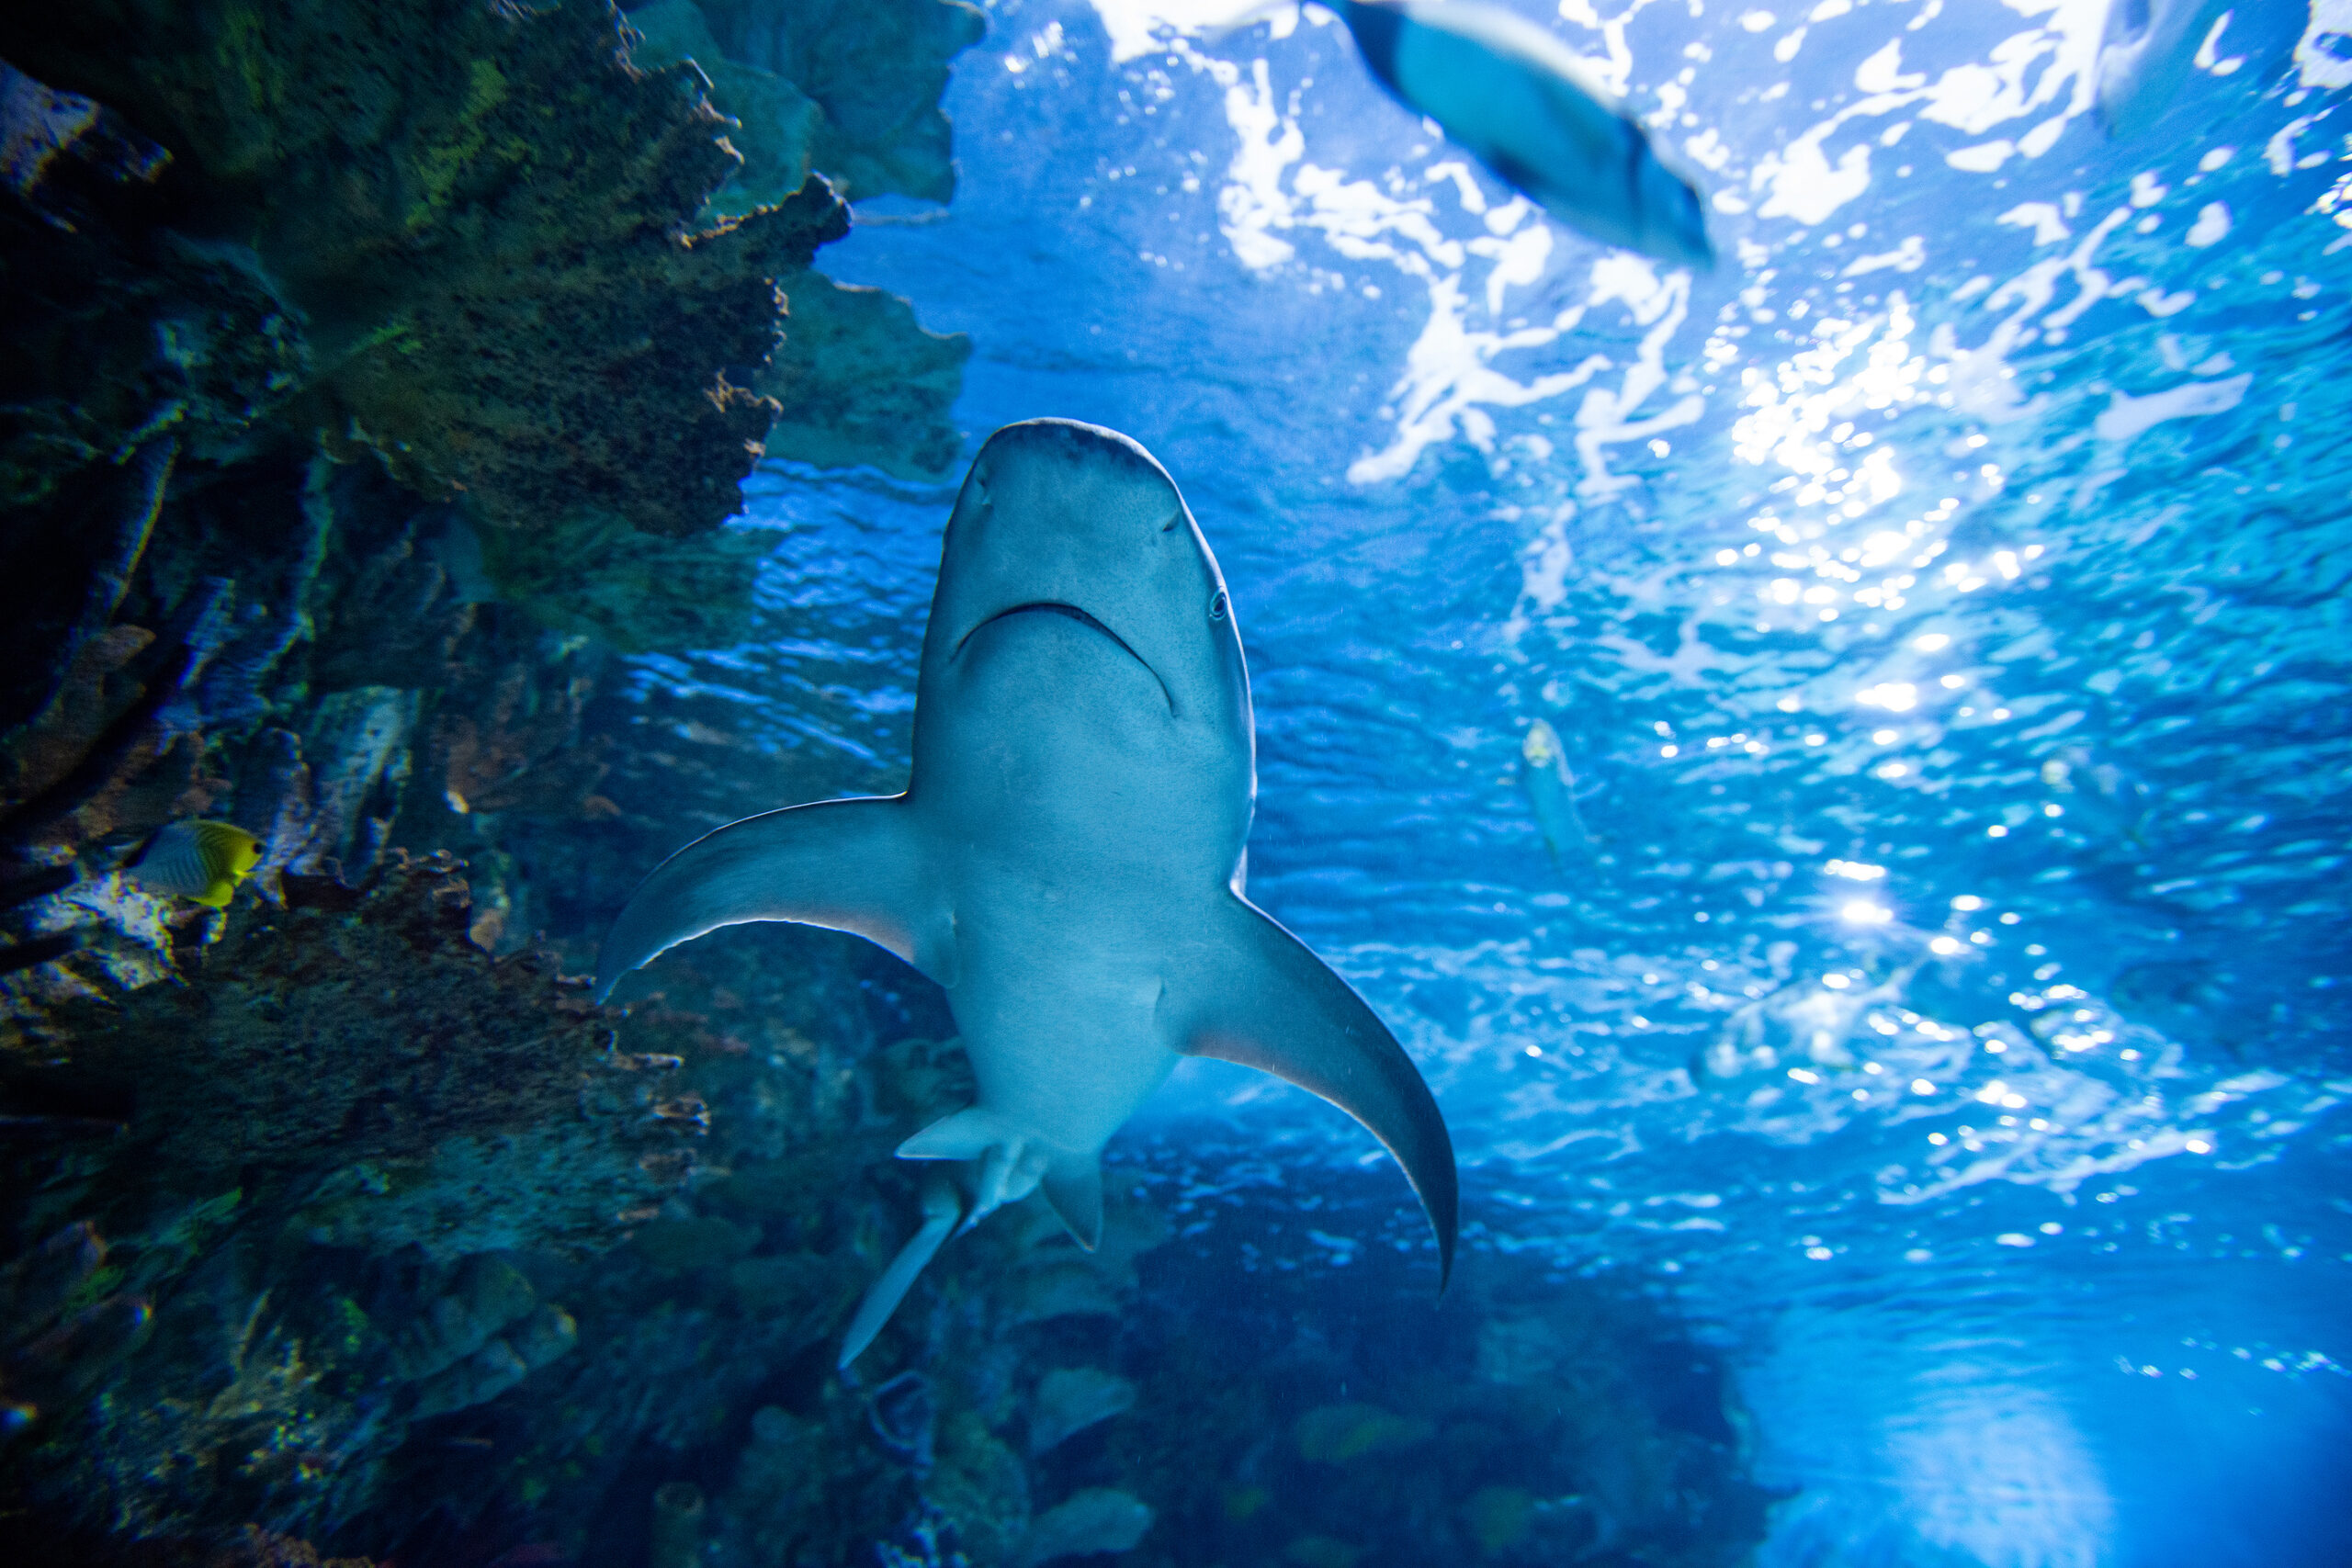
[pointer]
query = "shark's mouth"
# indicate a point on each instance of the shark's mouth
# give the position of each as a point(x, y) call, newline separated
point(1056, 607)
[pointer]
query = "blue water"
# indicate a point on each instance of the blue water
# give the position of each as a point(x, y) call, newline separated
point(1942, 606)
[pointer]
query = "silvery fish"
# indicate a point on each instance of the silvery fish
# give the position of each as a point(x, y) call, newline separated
point(1525, 106)
point(1552, 793)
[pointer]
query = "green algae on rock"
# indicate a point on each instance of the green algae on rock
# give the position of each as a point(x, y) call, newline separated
point(482, 216)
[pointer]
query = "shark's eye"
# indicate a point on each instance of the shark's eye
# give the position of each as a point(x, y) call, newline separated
point(1217, 607)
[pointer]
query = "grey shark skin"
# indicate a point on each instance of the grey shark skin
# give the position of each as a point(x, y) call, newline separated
point(1520, 100)
point(1066, 858)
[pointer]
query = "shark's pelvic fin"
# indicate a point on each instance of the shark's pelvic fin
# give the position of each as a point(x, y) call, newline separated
point(1011, 1165)
point(849, 866)
point(942, 1207)
point(1260, 999)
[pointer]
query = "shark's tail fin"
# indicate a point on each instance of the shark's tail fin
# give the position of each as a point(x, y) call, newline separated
point(942, 1207)
point(1014, 1163)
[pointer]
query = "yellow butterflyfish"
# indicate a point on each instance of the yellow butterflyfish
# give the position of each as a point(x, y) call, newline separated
point(202, 861)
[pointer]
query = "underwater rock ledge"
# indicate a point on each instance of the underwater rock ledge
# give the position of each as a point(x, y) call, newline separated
point(479, 218)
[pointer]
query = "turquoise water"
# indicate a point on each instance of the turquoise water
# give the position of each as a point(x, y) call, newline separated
point(1942, 607)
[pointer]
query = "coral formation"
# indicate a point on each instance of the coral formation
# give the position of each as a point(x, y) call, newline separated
point(1099, 1520)
point(478, 214)
point(370, 388)
point(1071, 1399)
point(375, 1034)
point(856, 379)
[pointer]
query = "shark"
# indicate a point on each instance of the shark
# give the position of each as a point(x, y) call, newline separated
point(1069, 860)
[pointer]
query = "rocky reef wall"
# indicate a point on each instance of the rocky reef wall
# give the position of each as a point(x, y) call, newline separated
point(372, 381)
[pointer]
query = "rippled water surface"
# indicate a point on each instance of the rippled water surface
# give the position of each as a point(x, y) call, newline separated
point(1939, 989)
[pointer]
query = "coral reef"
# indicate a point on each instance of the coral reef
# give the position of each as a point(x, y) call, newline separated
point(293, 1105)
point(373, 383)
point(346, 1048)
point(856, 380)
point(480, 215)
point(1071, 1399)
point(1096, 1520)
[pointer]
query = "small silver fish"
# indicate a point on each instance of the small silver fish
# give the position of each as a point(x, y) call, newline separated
point(1552, 794)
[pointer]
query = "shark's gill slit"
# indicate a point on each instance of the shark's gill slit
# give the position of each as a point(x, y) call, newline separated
point(1055, 607)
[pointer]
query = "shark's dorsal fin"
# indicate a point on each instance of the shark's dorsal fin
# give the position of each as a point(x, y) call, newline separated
point(1260, 999)
point(849, 866)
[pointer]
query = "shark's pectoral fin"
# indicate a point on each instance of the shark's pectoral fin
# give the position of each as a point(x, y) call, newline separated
point(942, 1206)
point(1073, 1186)
point(849, 866)
point(1260, 999)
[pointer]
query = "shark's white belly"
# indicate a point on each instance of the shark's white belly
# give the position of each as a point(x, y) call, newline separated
point(1092, 824)
point(1065, 1042)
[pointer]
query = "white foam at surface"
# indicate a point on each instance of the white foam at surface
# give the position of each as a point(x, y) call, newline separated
point(2213, 225)
point(1605, 417)
point(1447, 378)
point(1909, 256)
point(1615, 68)
point(1804, 184)
point(2049, 227)
point(2127, 416)
point(1271, 192)
point(1807, 183)
point(1250, 204)
point(1138, 28)
point(2315, 66)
